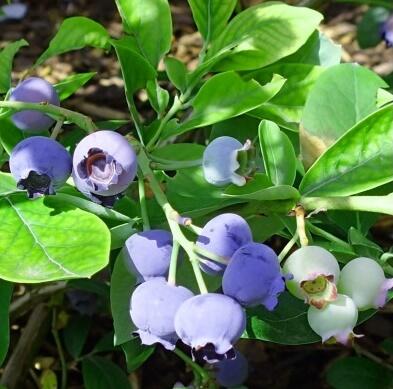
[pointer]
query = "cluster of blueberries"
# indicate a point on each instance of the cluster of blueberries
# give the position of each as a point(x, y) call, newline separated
point(103, 165)
point(335, 296)
point(210, 323)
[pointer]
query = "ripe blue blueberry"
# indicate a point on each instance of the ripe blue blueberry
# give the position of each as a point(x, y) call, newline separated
point(232, 372)
point(221, 162)
point(364, 281)
point(153, 307)
point(222, 236)
point(149, 254)
point(387, 31)
point(336, 320)
point(315, 275)
point(253, 276)
point(210, 324)
point(40, 165)
point(34, 90)
point(104, 165)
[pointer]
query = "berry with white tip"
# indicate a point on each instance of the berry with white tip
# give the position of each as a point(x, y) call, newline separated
point(226, 161)
point(149, 254)
point(153, 308)
point(34, 90)
point(337, 320)
point(40, 165)
point(315, 275)
point(210, 324)
point(364, 281)
point(104, 165)
point(222, 236)
point(253, 276)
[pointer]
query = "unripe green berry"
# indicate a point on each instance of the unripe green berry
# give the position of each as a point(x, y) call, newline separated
point(364, 281)
point(336, 320)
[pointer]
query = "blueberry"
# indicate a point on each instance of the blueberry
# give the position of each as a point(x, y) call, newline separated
point(104, 165)
point(221, 161)
point(153, 307)
point(253, 276)
point(222, 236)
point(210, 323)
point(387, 31)
point(232, 372)
point(40, 165)
point(336, 320)
point(149, 254)
point(364, 281)
point(34, 90)
point(315, 275)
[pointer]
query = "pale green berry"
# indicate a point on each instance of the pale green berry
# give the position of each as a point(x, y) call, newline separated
point(315, 275)
point(336, 320)
point(364, 281)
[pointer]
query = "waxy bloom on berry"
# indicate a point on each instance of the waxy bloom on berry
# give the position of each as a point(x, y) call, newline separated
point(104, 165)
point(40, 165)
point(153, 308)
point(210, 324)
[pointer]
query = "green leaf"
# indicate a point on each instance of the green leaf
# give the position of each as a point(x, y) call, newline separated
point(241, 127)
point(179, 152)
point(287, 324)
point(211, 16)
point(278, 154)
point(130, 58)
point(177, 72)
point(48, 379)
point(360, 160)
point(358, 373)
point(263, 34)
point(158, 97)
point(363, 246)
point(287, 105)
point(260, 188)
point(224, 96)
point(369, 28)
point(7, 184)
point(341, 97)
point(318, 50)
point(101, 373)
point(264, 227)
point(5, 299)
point(41, 243)
point(6, 58)
point(75, 334)
point(69, 85)
point(120, 234)
point(122, 285)
point(150, 22)
point(73, 34)
point(136, 353)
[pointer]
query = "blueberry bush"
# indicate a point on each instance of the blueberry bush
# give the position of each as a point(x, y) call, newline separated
point(173, 231)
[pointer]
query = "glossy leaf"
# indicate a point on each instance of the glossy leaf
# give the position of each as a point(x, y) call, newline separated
point(177, 72)
point(341, 97)
point(41, 243)
point(241, 127)
point(69, 85)
point(130, 57)
point(120, 234)
point(101, 373)
point(158, 97)
point(5, 299)
point(73, 34)
point(263, 34)
point(7, 184)
point(150, 22)
point(6, 59)
point(360, 160)
point(136, 353)
point(358, 373)
point(224, 96)
point(179, 152)
point(278, 154)
point(211, 16)
point(122, 286)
